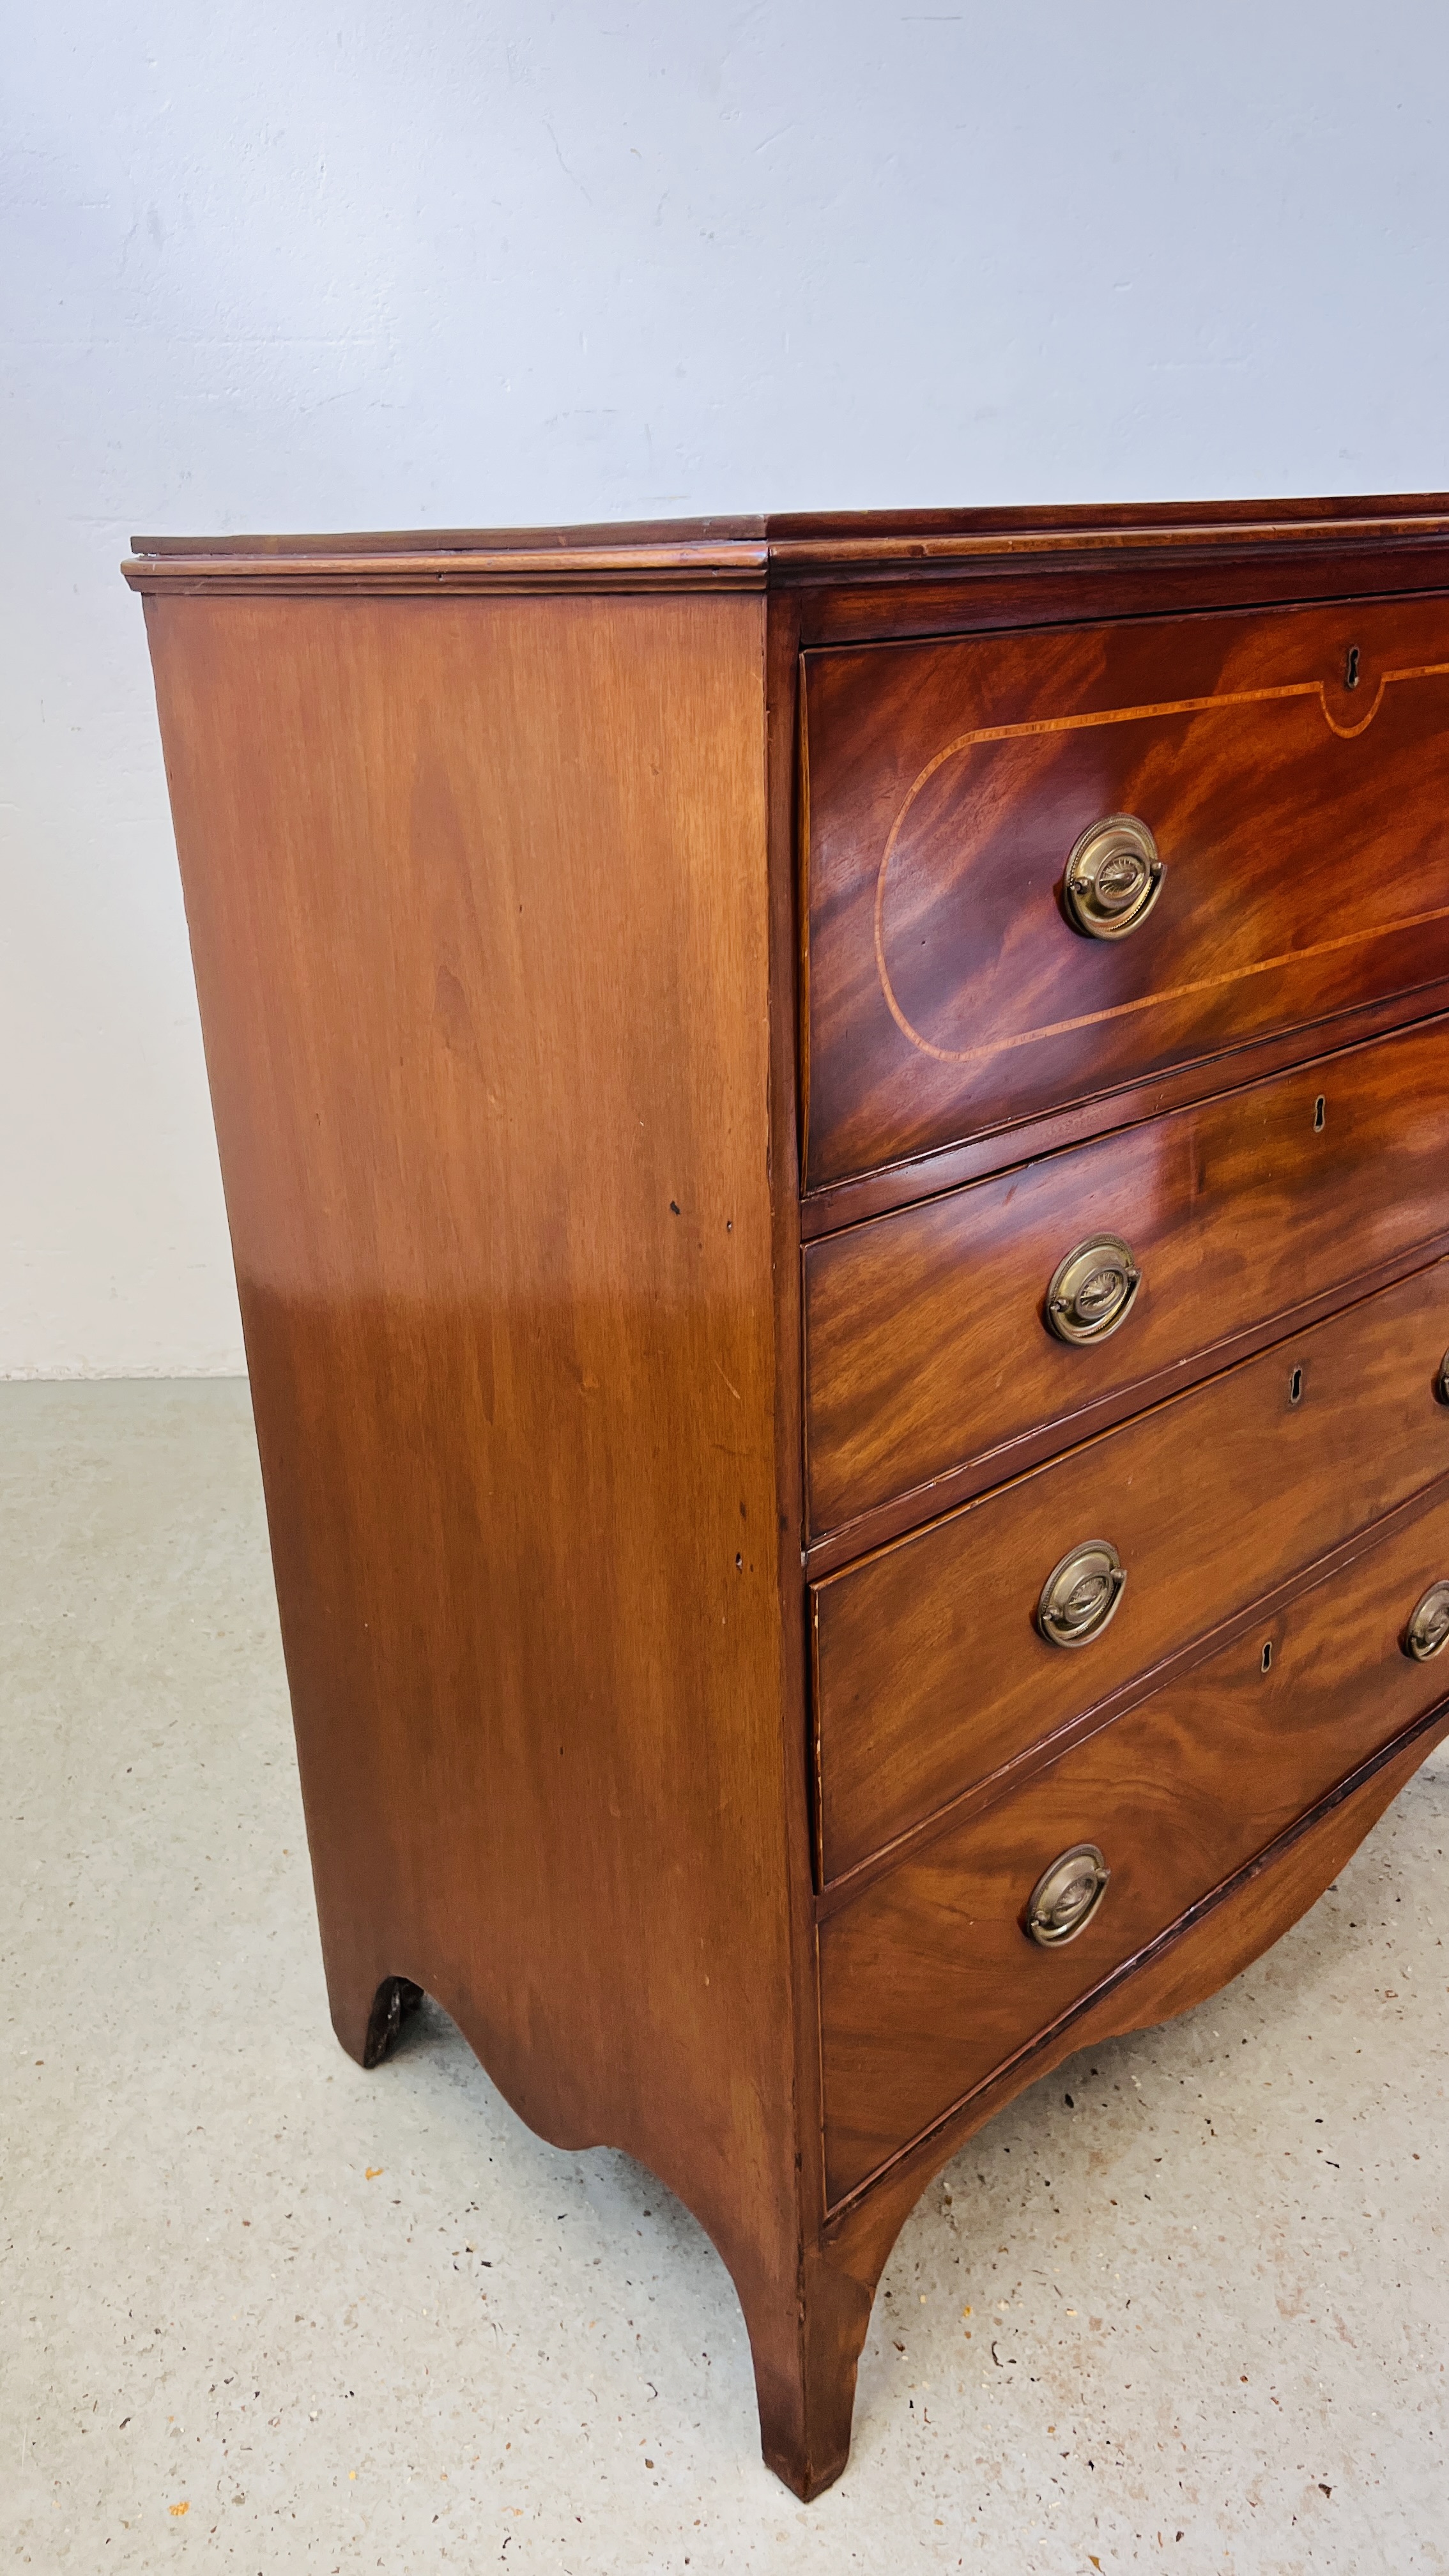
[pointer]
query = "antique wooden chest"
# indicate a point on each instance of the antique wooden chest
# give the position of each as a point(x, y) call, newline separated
point(835, 1134)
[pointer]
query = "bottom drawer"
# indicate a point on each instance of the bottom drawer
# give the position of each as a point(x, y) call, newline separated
point(929, 1980)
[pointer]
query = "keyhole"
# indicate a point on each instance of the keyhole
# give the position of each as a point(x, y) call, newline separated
point(1268, 1656)
point(1295, 1386)
point(1350, 675)
point(1318, 1109)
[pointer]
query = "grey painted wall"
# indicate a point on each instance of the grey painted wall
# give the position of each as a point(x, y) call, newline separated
point(320, 266)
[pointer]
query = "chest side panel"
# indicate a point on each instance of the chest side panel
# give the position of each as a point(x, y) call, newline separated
point(478, 901)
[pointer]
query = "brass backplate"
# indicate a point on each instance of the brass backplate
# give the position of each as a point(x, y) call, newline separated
point(1067, 1895)
point(1080, 1595)
point(1092, 1290)
point(1113, 877)
point(1428, 1629)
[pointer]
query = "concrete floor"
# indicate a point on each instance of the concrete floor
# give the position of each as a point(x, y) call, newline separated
point(264, 2313)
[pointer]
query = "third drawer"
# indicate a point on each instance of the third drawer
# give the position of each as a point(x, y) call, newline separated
point(930, 1670)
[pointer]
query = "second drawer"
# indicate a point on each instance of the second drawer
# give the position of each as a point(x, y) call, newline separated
point(928, 1351)
point(930, 1668)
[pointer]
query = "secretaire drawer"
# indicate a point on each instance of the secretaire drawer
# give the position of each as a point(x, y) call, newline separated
point(930, 1979)
point(930, 1350)
point(931, 1669)
point(1291, 770)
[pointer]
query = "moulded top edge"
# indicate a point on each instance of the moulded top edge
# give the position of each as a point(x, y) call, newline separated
point(745, 553)
point(738, 565)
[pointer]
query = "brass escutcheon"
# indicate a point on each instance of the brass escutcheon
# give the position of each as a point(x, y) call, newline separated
point(1080, 1595)
point(1067, 1895)
point(1428, 1627)
point(1113, 877)
point(1092, 1290)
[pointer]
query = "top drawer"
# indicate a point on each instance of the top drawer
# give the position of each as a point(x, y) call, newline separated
point(1302, 824)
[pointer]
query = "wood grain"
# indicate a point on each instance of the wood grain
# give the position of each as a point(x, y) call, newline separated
point(1191, 1961)
point(930, 1671)
point(478, 905)
point(929, 1981)
point(1022, 1141)
point(508, 572)
point(882, 603)
point(490, 842)
point(948, 783)
point(874, 567)
point(930, 1369)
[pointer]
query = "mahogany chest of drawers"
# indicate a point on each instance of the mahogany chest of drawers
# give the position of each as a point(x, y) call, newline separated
point(836, 1138)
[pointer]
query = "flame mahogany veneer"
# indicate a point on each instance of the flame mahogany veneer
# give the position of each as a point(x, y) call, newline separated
point(656, 1077)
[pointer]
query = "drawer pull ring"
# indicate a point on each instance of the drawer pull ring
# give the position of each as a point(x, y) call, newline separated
point(1428, 1627)
point(1113, 878)
point(1067, 1895)
point(1080, 1596)
point(1092, 1290)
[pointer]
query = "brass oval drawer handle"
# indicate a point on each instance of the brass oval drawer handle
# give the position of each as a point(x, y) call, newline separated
point(1113, 878)
point(1067, 1895)
point(1080, 1596)
point(1428, 1627)
point(1092, 1290)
